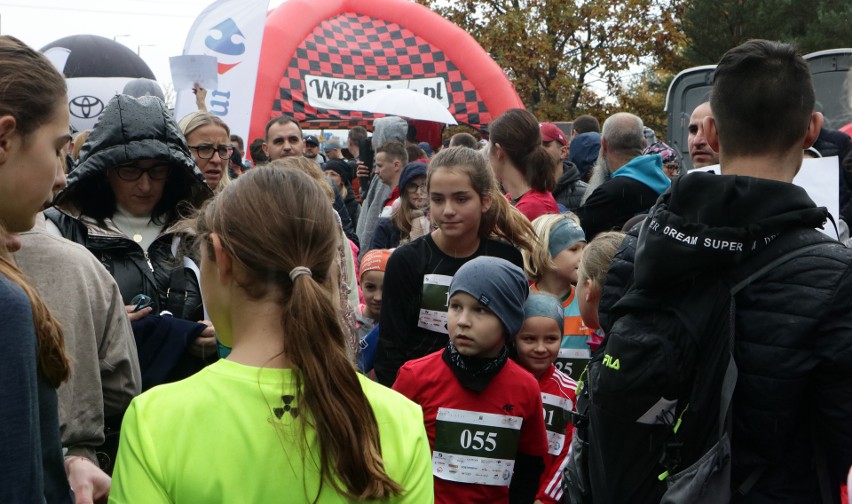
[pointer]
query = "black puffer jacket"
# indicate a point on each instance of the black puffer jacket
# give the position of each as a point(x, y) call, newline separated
point(793, 328)
point(156, 273)
point(569, 188)
point(131, 129)
point(353, 206)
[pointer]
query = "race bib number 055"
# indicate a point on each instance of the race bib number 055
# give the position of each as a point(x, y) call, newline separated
point(478, 448)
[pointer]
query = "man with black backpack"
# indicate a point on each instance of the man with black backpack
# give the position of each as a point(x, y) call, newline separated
point(726, 373)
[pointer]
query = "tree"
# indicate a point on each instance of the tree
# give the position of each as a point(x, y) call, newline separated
point(554, 51)
point(170, 94)
point(714, 27)
point(645, 96)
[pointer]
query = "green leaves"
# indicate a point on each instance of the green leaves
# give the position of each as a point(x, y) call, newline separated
point(563, 54)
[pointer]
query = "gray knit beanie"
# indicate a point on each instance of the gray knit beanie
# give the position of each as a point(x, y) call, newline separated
point(498, 285)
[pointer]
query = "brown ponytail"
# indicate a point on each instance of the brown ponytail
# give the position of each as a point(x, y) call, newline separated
point(502, 219)
point(52, 359)
point(290, 206)
point(519, 135)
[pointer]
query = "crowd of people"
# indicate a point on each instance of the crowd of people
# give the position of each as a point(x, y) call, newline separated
point(392, 321)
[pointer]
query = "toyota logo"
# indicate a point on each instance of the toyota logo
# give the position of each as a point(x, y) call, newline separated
point(86, 106)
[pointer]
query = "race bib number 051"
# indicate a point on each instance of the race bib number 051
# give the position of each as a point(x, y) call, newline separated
point(478, 448)
point(557, 412)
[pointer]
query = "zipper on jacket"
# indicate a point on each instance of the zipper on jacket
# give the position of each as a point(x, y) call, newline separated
point(148, 260)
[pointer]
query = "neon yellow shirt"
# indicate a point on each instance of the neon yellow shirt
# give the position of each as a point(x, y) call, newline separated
point(216, 437)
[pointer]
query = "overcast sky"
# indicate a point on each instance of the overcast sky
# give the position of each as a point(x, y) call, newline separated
point(156, 29)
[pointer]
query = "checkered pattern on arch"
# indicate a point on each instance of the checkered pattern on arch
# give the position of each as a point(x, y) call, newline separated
point(351, 46)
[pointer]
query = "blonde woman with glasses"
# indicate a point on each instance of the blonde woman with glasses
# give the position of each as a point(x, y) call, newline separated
point(209, 141)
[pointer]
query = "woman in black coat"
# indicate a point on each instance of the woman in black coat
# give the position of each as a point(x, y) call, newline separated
point(134, 177)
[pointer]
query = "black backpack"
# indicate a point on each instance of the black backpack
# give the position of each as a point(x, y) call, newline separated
point(653, 419)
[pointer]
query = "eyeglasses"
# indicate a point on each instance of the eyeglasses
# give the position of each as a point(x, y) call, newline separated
point(206, 151)
point(414, 188)
point(132, 173)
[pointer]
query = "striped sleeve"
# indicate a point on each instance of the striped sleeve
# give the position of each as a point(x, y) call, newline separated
point(550, 486)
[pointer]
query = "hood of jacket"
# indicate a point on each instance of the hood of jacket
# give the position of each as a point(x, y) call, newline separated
point(570, 174)
point(131, 129)
point(709, 222)
point(584, 149)
point(389, 129)
point(648, 170)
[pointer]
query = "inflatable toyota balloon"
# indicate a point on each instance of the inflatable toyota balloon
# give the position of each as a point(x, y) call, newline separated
point(96, 69)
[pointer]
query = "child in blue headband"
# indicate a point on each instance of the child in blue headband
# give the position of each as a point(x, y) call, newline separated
point(553, 267)
point(537, 346)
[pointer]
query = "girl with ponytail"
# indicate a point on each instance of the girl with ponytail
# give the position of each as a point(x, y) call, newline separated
point(33, 363)
point(286, 417)
point(521, 163)
point(472, 219)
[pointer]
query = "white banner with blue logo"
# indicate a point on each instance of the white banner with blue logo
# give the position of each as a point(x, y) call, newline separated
point(232, 31)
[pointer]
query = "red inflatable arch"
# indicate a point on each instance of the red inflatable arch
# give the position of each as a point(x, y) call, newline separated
point(329, 52)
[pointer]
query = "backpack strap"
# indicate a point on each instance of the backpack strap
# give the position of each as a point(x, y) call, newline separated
point(777, 261)
point(780, 245)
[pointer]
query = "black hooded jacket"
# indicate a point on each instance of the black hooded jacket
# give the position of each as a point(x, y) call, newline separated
point(569, 188)
point(132, 129)
point(793, 342)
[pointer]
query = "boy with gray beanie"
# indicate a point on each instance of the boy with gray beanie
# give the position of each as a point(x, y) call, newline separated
point(481, 410)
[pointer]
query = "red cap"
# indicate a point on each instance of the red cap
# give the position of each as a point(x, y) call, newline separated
point(551, 132)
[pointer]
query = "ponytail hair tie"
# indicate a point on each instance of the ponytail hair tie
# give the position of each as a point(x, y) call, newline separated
point(299, 271)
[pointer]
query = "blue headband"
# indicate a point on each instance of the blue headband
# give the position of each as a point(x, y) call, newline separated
point(563, 235)
point(545, 305)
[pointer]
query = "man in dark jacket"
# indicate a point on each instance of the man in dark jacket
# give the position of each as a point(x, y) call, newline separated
point(792, 406)
point(569, 188)
point(625, 182)
point(832, 142)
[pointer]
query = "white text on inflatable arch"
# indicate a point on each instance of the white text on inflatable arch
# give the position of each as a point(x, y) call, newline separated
point(340, 94)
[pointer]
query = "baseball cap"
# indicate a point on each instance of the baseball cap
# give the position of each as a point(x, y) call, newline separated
point(311, 139)
point(551, 132)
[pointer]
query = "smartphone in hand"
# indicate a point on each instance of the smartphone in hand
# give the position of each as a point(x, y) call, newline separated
point(141, 301)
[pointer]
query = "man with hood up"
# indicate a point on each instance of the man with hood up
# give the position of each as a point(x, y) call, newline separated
point(792, 405)
point(385, 129)
point(134, 178)
point(585, 145)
